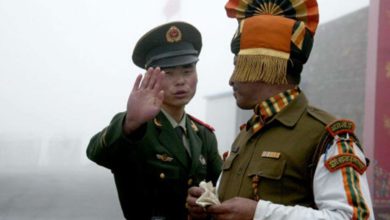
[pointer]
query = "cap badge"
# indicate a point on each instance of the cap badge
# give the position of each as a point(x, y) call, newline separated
point(173, 34)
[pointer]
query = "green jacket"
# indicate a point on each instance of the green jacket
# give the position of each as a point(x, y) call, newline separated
point(152, 167)
point(280, 156)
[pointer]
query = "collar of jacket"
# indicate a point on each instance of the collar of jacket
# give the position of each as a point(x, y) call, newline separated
point(290, 115)
point(161, 120)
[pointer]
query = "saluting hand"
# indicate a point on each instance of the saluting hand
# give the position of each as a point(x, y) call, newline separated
point(145, 99)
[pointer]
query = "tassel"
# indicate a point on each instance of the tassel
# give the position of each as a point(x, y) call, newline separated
point(268, 69)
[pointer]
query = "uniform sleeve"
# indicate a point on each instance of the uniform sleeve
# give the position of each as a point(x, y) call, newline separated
point(105, 145)
point(215, 160)
point(340, 188)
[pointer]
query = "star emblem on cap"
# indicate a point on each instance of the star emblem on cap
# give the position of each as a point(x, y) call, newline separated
point(173, 34)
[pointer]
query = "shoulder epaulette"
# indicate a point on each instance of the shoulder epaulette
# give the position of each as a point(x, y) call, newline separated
point(320, 115)
point(202, 123)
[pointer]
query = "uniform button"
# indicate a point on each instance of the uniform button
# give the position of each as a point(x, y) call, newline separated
point(162, 175)
point(190, 181)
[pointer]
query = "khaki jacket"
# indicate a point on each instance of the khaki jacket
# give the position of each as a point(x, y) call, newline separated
point(280, 155)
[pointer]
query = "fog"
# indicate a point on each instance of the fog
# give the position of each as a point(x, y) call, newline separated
point(65, 70)
point(65, 65)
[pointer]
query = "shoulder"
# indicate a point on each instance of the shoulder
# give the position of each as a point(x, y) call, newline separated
point(342, 130)
point(339, 132)
point(308, 120)
point(320, 115)
point(341, 136)
point(197, 122)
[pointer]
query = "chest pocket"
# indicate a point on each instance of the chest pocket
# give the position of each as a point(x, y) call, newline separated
point(268, 168)
point(268, 173)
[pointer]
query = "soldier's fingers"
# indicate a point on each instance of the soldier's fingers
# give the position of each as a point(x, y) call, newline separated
point(154, 77)
point(145, 81)
point(160, 98)
point(137, 82)
point(216, 209)
point(195, 191)
point(158, 81)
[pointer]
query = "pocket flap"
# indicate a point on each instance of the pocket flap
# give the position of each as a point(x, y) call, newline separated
point(268, 168)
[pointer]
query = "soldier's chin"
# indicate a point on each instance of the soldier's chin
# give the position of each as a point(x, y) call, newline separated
point(243, 105)
point(182, 102)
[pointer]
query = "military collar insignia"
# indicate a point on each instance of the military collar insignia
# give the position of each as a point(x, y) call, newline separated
point(193, 126)
point(201, 122)
point(164, 157)
point(173, 35)
point(157, 122)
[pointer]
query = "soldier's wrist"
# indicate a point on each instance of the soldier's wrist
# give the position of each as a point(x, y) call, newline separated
point(129, 126)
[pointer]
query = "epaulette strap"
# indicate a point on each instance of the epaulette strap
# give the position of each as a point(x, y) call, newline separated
point(202, 123)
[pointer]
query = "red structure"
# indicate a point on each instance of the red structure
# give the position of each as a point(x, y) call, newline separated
point(377, 106)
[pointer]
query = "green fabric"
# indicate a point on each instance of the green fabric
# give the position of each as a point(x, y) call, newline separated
point(147, 185)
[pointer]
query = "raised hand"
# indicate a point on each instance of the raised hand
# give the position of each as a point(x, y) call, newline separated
point(145, 99)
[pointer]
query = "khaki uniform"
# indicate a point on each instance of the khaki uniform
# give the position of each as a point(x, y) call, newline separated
point(152, 169)
point(280, 154)
point(302, 163)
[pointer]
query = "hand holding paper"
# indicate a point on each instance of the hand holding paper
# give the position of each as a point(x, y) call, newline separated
point(209, 196)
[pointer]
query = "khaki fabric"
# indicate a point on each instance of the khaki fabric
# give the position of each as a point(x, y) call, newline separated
point(280, 154)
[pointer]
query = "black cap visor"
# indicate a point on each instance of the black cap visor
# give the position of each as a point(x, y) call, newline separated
point(173, 58)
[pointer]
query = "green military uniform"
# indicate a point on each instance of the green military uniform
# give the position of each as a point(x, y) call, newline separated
point(152, 169)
